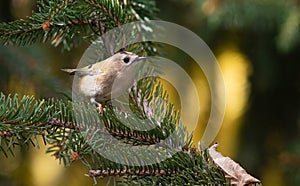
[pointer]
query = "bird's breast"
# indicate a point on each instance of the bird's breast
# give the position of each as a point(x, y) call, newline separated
point(89, 86)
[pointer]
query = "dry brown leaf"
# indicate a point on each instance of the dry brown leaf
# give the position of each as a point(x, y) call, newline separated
point(233, 171)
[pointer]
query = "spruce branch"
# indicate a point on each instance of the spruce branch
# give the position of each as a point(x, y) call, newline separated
point(107, 7)
point(68, 22)
point(23, 121)
point(188, 166)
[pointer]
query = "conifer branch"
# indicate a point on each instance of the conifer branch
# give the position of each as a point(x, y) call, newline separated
point(189, 166)
point(107, 11)
point(23, 121)
point(124, 172)
point(68, 22)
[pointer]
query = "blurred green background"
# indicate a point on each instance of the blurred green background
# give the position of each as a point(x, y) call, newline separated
point(257, 44)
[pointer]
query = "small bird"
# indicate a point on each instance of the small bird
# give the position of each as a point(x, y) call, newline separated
point(100, 81)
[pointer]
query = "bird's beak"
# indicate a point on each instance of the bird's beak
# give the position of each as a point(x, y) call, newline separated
point(139, 59)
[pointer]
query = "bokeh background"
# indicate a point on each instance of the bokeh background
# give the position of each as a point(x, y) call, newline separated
point(257, 44)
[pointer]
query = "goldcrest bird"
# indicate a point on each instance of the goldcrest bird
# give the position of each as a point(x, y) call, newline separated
point(101, 80)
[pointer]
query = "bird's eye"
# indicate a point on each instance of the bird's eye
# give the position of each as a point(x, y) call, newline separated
point(126, 59)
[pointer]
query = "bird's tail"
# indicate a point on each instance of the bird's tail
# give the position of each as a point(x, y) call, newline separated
point(70, 71)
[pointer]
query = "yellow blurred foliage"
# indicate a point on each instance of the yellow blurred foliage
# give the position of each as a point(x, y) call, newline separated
point(204, 98)
point(17, 85)
point(272, 175)
point(45, 170)
point(236, 70)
